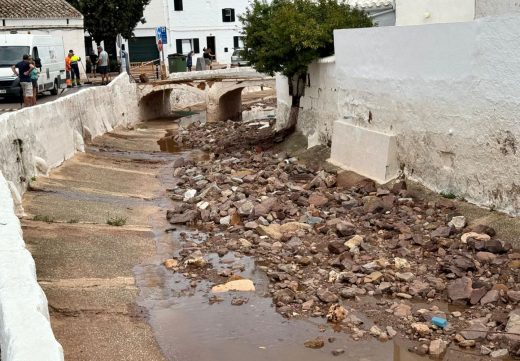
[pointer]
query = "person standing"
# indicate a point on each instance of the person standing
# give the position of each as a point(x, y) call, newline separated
point(34, 80)
point(68, 70)
point(74, 65)
point(125, 62)
point(93, 60)
point(22, 70)
point(103, 65)
point(189, 60)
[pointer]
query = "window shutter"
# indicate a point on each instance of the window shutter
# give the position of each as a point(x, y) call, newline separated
point(232, 15)
point(224, 15)
point(196, 47)
point(235, 42)
point(177, 5)
point(179, 46)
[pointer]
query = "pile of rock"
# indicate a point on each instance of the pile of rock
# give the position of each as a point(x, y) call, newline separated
point(324, 238)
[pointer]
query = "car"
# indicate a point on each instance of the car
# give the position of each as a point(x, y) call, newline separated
point(237, 58)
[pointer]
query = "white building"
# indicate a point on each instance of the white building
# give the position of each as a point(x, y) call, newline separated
point(191, 25)
point(48, 17)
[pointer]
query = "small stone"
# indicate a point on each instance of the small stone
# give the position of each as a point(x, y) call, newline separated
point(338, 351)
point(460, 289)
point(485, 350)
point(503, 352)
point(314, 343)
point(467, 343)
point(437, 347)
point(514, 296)
point(406, 296)
point(171, 263)
point(458, 222)
point(490, 297)
point(241, 285)
point(189, 194)
point(354, 242)
point(402, 310)
point(326, 296)
point(475, 236)
point(375, 331)
point(421, 328)
point(391, 332)
point(456, 314)
point(400, 263)
point(485, 257)
point(373, 277)
point(225, 221)
point(336, 314)
point(406, 276)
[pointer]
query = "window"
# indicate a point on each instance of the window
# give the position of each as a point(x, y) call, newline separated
point(177, 5)
point(228, 15)
point(238, 42)
point(184, 46)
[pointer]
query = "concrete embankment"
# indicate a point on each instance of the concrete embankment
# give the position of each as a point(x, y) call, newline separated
point(32, 142)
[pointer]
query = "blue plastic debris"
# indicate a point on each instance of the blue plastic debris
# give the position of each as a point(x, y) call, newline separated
point(439, 322)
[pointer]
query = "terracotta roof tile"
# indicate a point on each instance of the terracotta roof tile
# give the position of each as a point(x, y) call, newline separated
point(37, 9)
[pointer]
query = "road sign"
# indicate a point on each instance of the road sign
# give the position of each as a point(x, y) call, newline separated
point(161, 34)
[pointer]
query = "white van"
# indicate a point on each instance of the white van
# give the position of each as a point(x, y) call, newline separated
point(48, 54)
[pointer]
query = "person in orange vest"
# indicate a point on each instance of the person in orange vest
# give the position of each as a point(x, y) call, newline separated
point(68, 69)
point(74, 66)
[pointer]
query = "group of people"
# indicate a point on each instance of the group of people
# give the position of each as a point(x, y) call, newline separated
point(27, 73)
point(99, 64)
point(206, 54)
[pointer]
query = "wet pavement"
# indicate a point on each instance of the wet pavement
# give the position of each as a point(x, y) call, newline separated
point(111, 297)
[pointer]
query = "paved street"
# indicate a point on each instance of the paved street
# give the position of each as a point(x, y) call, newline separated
point(10, 104)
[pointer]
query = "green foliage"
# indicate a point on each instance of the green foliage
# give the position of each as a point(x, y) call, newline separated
point(42, 218)
point(105, 19)
point(287, 35)
point(448, 195)
point(116, 221)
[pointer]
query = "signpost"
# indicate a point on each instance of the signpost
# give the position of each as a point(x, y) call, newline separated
point(162, 39)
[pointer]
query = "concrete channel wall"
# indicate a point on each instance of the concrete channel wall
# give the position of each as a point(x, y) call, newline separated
point(445, 96)
point(33, 141)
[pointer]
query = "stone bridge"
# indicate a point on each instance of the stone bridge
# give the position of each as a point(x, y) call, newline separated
point(221, 90)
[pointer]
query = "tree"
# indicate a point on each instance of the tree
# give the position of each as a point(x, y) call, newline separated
point(285, 36)
point(105, 19)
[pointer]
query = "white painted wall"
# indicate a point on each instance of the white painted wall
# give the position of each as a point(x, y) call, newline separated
point(495, 7)
point(449, 92)
point(319, 106)
point(50, 133)
point(155, 14)
point(416, 12)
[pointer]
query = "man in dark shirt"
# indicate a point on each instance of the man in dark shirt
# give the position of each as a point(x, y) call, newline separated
point(23, 70)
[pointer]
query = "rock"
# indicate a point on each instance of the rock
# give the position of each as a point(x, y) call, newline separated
point(242, 285)
point(264, 208)
point(314, 343)
point(337, 352)
point(384, 286)
point(318, 199)
point(239, 301)
point(336, 247)
point(375, 331)
point(402, 310)
point(196, 260)
point(406, 276)
point(348, 292)
point(308, 305)
point(485, 350)
point(513, 296)
point(171, 263)
point(460, 289)
point(467, 343)
point(490, 297)
point(441, 232)
point(391, 332)
point(373, 277)
point(481, 228)
point(251, 225)
point(284, 296)
point(437, 347)
point(421, 328)
point(456, 314)
point(225, 221)
point(476, 330)
point(404, 295)
point(513, 326)
point(184, 217)
point(373, 204)
point(458, 222)
point(337, 313)
point(271, 231)
point(477, 294)
point(246, 208)
point(345, 229)
point(418, 287)
point(189, 194)
point(326, 296)
point(476, 236)
point(401, 263)
point(503, 352)
point(496, 246)
point(485, 257)
point(354, 242)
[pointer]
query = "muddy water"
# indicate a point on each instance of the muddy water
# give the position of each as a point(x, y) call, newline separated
point(188, 327)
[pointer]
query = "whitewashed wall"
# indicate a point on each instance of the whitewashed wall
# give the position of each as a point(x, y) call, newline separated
point(416, 12)
point(449, 92)
point(32, 141)
point(495, 7)
point(319, 106)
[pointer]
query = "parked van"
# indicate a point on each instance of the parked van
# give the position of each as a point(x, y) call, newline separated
point(48, 54)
